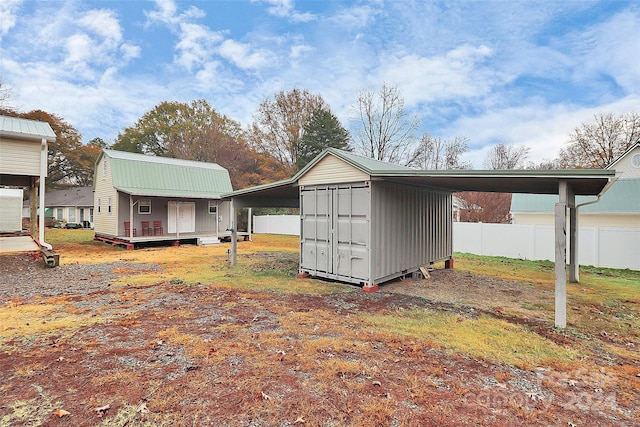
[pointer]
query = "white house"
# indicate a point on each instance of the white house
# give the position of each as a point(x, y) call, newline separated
point(619, 206)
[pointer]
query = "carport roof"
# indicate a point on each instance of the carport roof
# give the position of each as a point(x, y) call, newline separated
point(18, 128)
point(584, 182)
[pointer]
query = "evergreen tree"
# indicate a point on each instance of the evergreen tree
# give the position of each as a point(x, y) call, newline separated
point(323, 130)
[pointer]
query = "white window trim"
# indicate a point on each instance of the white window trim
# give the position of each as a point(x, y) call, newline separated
point(109, 210)
point(144, 203)
point(213, 204)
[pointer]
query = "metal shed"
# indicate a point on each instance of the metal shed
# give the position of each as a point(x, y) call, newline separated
point(385, 220)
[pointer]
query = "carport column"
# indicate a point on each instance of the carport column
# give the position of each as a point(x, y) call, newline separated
point(234, 235)
point(564, 192)
point(574, 265)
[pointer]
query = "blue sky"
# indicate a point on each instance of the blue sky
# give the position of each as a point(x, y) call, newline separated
point(525, 73)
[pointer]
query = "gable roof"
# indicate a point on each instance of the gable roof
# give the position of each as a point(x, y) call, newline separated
point(18, 128)
point(623, 155)
point(143, 175)
point(77, 196)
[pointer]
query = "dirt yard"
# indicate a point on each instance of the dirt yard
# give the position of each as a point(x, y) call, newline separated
point(85, 344)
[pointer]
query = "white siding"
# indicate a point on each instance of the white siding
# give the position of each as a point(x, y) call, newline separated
point(331, 170)
point(19, 157)
point(104, 222)
point(625, 168)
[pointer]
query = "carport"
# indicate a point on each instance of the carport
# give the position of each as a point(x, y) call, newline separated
point(23, 163)
point(334, 168)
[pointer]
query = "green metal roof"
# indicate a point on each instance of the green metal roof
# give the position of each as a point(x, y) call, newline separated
point(26, 129)
point(622, 197)
point(143, 175)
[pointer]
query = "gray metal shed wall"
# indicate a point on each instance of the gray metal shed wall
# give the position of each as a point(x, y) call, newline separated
point(410, 227)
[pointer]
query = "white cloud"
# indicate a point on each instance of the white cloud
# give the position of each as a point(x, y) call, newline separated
point(286, 9)
point(240, 54)
point(8, 15)
point(196, 44)
point(457, 74)
point(611, 48)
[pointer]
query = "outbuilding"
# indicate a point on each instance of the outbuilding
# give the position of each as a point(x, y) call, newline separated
point(366, 221)
point(23, 163)
point(140, 198)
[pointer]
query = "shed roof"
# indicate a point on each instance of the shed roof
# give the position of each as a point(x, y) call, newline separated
point(26, 129)
point(583, 181)
point(143, 175)
point(622, 197)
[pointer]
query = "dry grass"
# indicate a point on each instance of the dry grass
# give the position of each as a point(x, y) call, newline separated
point(200, 343)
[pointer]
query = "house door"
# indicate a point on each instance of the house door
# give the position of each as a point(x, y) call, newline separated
point(182, 217)
point(335, 231)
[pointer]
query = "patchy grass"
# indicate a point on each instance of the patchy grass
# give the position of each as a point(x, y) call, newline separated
point(482, 337)
point(200, 343)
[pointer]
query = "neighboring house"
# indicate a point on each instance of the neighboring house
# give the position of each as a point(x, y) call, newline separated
point(140, 198)
point(619, 206)
point(71, 206)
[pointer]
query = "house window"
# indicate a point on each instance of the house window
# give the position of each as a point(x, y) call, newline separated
point(91, 214)
point(99, 205)
point(109, 206)
point(213, 207)
point(144, 206)
point(72, 214)
point(59, 214)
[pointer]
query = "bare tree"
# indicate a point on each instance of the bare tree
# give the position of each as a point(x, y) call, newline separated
point(437, 153)
point(278, 126)
point(597, 144)
point(5, 95)
point(506, 156)
point(385, 129)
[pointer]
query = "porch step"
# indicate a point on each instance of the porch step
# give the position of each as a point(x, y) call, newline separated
point(208, 241)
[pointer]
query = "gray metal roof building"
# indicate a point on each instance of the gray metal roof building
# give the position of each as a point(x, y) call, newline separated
point(366, 221)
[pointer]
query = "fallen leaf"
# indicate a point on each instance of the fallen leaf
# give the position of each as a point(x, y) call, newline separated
point(299, 420)
point(142, 409)
point(265, 396)
point(377, 383)
point(101, 410)
point(61, 413)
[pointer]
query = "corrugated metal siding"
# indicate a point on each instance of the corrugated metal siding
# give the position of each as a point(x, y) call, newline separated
point(334, 238)
point(369, 234)
point(332, 170)
point(410, 227)
point(19, 157)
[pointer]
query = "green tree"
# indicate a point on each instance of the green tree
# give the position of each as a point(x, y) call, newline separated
point(175, 129)
point(323, 130)
point(278, 127)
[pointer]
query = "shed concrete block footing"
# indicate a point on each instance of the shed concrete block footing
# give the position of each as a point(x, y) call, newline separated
point(370, 288)
point(448, 264)
point(303, 275)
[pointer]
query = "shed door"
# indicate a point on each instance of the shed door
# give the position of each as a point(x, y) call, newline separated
point(335, 230)
point(182, 216)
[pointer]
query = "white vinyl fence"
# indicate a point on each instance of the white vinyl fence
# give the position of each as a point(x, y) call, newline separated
point(611, 247)
point(277, 224)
